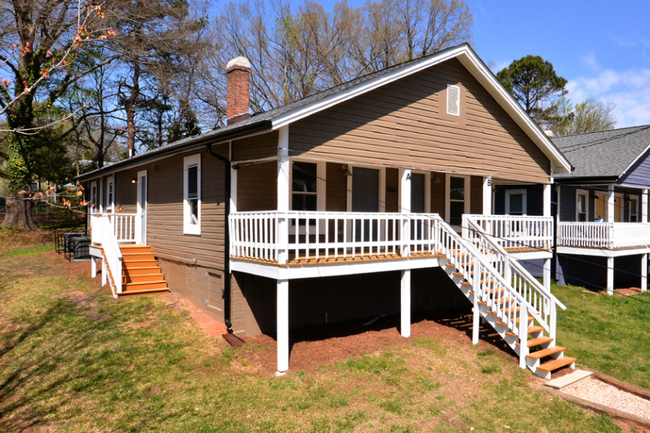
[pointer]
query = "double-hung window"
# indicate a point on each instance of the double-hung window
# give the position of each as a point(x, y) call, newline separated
point(634, 209)
point(94, 206)
point(110, 194)
point(516, 202)
point(192, 195)
point(457, 198)
point(582, 206)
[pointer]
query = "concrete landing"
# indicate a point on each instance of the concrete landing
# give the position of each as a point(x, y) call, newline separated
point(569, 379)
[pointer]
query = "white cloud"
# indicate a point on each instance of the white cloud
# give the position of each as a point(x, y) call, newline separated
point(591, 62)
point(629, 90)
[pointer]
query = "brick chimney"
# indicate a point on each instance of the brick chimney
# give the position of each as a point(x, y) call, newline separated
point(238, 72)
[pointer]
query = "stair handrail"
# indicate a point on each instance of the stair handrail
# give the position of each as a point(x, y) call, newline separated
point(475, 229)
point(112, 252)
point(486, 287)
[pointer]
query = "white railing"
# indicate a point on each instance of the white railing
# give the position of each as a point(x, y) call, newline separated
point(603, 235)
point(307, 235)
point(111, 251)
point(96, 229)
point(516, 232)
point(540, 302)
point(122, 226)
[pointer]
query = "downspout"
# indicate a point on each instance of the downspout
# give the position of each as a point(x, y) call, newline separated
point(226, 290)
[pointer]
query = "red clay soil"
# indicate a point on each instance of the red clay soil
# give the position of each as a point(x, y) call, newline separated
point(627, 292)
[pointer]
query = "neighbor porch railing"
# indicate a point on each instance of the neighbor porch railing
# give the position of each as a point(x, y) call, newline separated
point(515, 232)
point(603, 235)
point(122, 225)
point(277, 236)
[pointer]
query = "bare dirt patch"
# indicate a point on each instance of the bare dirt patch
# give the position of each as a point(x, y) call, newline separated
point(208, 325)
point(84, 304)
point(628, 292)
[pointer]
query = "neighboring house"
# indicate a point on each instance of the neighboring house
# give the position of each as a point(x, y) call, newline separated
point(343, 206)
point(603, 238)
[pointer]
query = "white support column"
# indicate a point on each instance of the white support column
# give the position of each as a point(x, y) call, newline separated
point(487, 195)
point(644, 272)
point(233, 185)
point(405, 207)
point(547, 274)
point(610, 204)
point(405, 324)
point(547, 200)
point(283, 325)
point(557, 198)
point(93, 267)
point(104, 272)
point(610, 275)
point(644, 206)
point(283, 193)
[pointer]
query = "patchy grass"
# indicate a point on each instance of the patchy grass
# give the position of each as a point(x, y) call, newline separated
point(74, 359)
point(607, 333)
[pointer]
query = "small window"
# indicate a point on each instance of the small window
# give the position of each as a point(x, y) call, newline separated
point(453, 100)
point(94, 208)
point(192, 195)
point(110, 194)
point(634, 209)
point(582, 206)
point(516, 202)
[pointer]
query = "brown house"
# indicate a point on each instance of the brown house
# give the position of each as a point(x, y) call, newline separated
point(343, 205)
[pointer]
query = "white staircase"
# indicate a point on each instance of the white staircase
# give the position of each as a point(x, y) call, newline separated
point(505, 296)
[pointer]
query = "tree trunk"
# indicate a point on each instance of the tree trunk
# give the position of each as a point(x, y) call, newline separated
point(19, 215)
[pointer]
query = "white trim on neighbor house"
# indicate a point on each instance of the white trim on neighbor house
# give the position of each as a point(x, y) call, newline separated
point(191, 223)
point(524, 200)
point(475, 66)
point(466, 198)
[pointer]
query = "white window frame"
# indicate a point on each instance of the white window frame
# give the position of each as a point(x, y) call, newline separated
point(580, 192)
point(321, 192)
point(110, 194)
point(451, 86)
point(524, 202)
point(468, 198)
point(188, 227)
point(629, 207)
point(93, 197)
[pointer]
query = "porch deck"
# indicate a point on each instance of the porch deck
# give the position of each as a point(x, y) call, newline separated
point(603, 239)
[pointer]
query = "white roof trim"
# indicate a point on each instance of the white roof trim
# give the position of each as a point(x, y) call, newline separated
point(476, 67)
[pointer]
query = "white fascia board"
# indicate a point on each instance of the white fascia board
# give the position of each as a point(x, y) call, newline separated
point(489, 81)
point(476, 67)
point(362, 88)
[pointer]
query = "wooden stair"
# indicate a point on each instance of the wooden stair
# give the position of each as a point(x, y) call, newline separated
point(141, 274)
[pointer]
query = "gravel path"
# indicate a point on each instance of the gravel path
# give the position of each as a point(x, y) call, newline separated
point(600, 392)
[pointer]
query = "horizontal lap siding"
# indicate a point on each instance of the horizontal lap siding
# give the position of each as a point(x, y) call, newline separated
point(256, 187)
point(399, 124)
point(336, 189)
point(256, 147)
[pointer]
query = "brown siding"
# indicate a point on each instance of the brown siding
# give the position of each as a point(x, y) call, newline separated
point(476, 195)
point(256, 187)
point(438, 193)
point(399, 125)
point(256, 147)
point(337, 184)
point(392, 188)
point(126, 193)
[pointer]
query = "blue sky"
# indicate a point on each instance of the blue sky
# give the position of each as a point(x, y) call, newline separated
point(601, 47)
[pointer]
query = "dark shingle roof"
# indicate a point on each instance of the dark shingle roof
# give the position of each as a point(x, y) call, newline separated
point(603, 153)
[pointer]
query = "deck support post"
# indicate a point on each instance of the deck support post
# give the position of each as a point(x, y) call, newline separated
point(547, 274)
point(610, 275)
point(476, 323)
point(610, 203)
point(104, 272)
point(405, 322)
point(644, 272)
point(487, 195)
point(547, 200)
point(283, 325)
point(644, 205)
point(93, 267)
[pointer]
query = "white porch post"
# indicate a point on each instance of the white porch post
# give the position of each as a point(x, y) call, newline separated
point(405, 289)
point(283, 325)
point(547, 274)
point(283, 192)
point(610, 275)
point(93, 267)
point(610, 203)
point(487, 195)
point(644, 272)
point(547, 200)
point(644, 205)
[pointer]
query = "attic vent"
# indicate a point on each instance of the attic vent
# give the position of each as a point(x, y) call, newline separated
point(453, 100)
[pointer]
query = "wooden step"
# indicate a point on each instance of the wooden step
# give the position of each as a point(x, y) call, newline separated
point(503, 300)
point(537, 341)
point(139, 271)
point(533, 329)
point(131, 257)
point(456, 274)
point(556, 363)
point(143, 285)
point(511, 310)
point(493, 291)
point(142, 278)
point(450, 265)
point(530, 319)
point(466, 283)
point(490, 281)
point(141, 264)
point(144, 292)
point(546, 352)
point(135, 248)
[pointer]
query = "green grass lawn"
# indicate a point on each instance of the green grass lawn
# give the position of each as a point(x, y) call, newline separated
point(74, 359)
point(609, 334)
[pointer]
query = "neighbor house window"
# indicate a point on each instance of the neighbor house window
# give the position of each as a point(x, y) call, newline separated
point(457, 198)
point(192, 195)
point(634, 209)
point(516, 202)
point(94, 206)
point(582, 206)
